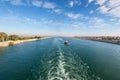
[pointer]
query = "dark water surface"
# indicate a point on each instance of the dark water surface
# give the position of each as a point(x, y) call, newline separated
point(50, 59)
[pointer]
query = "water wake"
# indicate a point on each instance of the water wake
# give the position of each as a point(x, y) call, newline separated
point(60, 73)
point(62, 63)
point(67, 65)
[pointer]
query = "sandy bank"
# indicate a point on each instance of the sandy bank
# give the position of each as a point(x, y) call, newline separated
point(10, 43)
point(21, 41)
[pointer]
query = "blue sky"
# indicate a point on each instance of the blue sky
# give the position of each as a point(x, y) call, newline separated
point(60, 17)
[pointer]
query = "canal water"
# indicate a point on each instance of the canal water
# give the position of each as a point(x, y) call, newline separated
point(50, 59)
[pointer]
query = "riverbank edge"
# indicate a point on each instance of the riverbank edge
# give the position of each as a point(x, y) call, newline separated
point(12, 43)
point(107, 41)
point(104, 41)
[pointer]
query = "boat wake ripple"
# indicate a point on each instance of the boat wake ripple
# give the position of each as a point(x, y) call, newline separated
point(58, 72)
point(69, 66)
point(62, 63)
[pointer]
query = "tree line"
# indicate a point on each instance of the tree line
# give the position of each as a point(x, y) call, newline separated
point(5, 37)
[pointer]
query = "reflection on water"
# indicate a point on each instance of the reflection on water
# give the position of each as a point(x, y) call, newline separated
point(2, 49)
point(50, 59)
point(3, 52)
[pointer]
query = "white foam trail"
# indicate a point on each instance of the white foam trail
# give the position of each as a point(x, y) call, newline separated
point(60, 74)
point(58, 70)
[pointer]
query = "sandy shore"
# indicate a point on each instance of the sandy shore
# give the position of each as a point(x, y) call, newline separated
point(9, 43)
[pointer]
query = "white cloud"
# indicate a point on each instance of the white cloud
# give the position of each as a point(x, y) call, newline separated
point(49, 5)
point(111, 7)
point(16, 2)
point(24, 21)
point(74, 2)
point(73, 16)
point(103, 9)
point(71, 3)
point(98, 23)
point(91, 12)
point(77, 24)
point(59, 11)
point(90, 1)
point(77, 2)
point(113, 3)
point(37, 3)
point(115, 12)
point(100, 2)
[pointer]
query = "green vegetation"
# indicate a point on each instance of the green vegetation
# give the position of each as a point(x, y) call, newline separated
point(3, 37)
point(6, 37)
point(14, 37)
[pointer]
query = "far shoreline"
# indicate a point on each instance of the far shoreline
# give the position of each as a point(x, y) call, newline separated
point(104, 39)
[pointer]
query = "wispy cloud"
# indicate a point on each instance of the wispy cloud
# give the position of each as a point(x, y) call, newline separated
point(71, 3)
point(73, 16)
point(91, 12)
point(58, 11)
point(49, 5)
point(90, 1)
point(103, 9)
point(100, 2)
point(108, 7)
point(96, 22)
point(111, 7)
point(16, 2)
point(91, 22)
point(37, 3)
point(74, 2)
point(78, 24)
